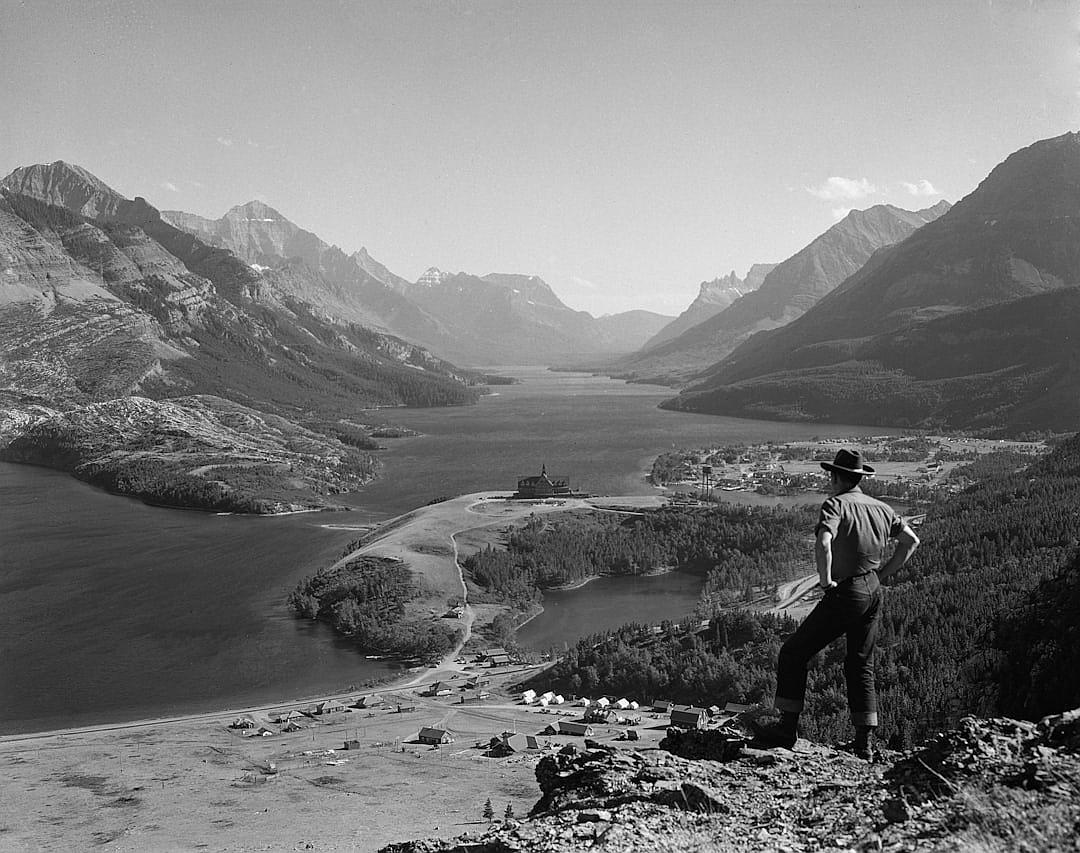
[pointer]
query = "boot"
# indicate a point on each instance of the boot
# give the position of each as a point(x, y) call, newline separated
point(783, 733)
point(863, 745)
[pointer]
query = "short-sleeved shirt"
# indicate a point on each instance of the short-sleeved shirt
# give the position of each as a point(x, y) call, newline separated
point(861, 527)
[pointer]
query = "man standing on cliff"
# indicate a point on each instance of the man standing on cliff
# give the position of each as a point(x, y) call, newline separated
point(852, 533)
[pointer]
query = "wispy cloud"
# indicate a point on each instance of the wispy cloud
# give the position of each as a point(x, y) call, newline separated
point(224, 140)
point(920, 187)
point(170, 186)
point(583, 282)
point(838, 189)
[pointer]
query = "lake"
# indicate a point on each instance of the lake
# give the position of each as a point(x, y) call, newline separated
point(111, 610)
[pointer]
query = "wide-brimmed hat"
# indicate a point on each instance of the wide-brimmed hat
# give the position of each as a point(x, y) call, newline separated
point(848, 462)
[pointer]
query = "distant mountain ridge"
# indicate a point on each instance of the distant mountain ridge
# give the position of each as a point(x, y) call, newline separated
point(493, 319)
point(967, 324)
point(506, 318)
point(787, 291)
point(713, 297)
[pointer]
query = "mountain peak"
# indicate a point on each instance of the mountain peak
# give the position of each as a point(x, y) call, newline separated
point(432, 277)
point(255, 211)
point(66, 185)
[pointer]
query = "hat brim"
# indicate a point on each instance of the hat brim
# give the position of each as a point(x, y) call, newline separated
point(866, 470)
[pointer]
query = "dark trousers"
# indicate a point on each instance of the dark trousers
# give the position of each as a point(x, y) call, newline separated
point(852, 608)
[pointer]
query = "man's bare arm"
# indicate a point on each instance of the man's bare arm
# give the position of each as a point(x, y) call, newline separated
point(823, 554)
point(906, 544)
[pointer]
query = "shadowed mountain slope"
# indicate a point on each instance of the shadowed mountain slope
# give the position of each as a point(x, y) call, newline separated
point(786, 293)
point(967, 324)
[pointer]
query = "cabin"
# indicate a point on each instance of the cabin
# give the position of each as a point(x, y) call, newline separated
point(688, 717)
point(351, 744)
point(573, 727)
point(662, 706)
point(495, 657)
point(510, 742)
point(434, 736)
point(330, 706)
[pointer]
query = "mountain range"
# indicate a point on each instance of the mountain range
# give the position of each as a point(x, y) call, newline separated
point(469, 319)
point(786, 291)
point(101, 299)
point(969, 323)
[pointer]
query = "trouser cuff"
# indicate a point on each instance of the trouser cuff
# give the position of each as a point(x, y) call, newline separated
point(863, 718)
point(793, 706)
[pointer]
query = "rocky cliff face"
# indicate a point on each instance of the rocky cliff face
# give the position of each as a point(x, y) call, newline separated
point(991, 785)
point(1012, 242)
point(786, 293)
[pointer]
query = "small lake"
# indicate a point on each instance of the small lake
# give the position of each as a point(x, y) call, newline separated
point(111, 610)
point(607, 603)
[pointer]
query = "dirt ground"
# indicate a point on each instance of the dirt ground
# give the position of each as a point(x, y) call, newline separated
point(196, 784)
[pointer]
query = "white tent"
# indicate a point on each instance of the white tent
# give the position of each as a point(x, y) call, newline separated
point(528, 697)
point(603, 702)
point(549, 695)
point(544, 701)
point(634, 705)
point(623, 704)
point(585, 701)
point(558, 700)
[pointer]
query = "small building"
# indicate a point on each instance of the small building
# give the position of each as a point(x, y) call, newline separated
point(528, 697)
point(498, 660)
point(330, 706)
point(603, 702)
point(292, 716)
point(351, 744)
point(662, 706)
point(434, 736)
point(622, 704)
point(518, 742)
point(291, 726)
point(688, 716)
point(573, 727)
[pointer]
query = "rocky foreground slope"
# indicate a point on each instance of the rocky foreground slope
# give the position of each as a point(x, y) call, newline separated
point(996, 784)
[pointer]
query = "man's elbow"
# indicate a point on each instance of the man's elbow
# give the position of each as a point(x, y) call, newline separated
point(908, 538)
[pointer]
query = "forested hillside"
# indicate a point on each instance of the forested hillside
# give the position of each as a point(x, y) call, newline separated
point(983, 620)
point(735, 546)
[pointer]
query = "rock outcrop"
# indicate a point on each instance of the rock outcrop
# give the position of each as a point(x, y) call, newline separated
point(989, 785)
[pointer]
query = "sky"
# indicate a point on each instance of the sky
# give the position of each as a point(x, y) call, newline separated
point(623, 151)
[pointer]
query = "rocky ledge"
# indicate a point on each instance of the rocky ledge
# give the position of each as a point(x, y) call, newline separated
point(995, 784)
